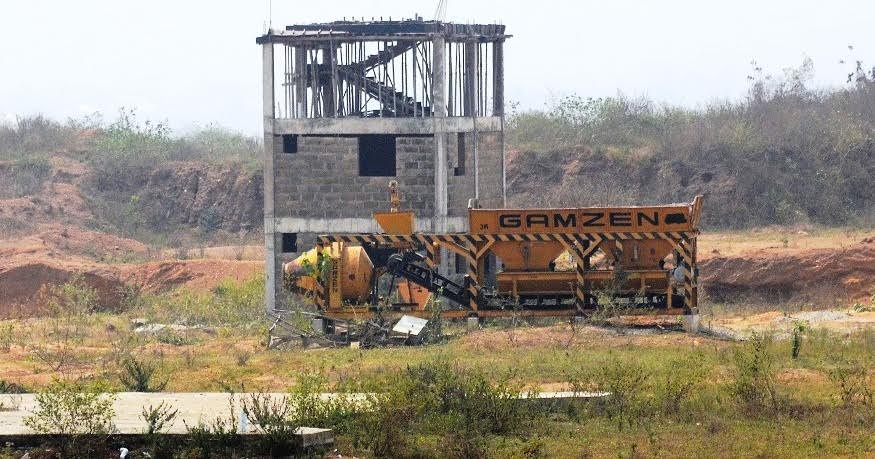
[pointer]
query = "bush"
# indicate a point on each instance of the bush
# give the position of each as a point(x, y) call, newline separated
point(273, 419)
point(137, 376)
point(23, 177)
point(217, 438)
point(34, 135)
point(71, 304)
point(7, 336)
point(231, 303)
point(158, 420)
point(74, 411)
point(626, 385)
point(747, 156)
point(460, 406)
point(678, 382)
point(753, 384)
point(854, 385)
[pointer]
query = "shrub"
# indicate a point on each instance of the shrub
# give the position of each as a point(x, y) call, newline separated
point(33, 134)
point(7, 336)
point(312, 410)
point(158, 420)
point(7, 387)
point(74, 411)
point(71, 304)
point(137, 376)
point(273, 419)
point(854, 384)
point(678, 383)
point(23, 177)
point(798, 328)
point(231, 303)
point(753, 384)
point(216, 438)
point(73, 297)
point(461, 406)
point(626, 384)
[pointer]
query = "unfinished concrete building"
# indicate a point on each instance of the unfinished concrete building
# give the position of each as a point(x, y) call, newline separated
point(351, 105)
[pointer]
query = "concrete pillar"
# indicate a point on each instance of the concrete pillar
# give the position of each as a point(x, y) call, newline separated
point(472, 103)
point(439, 103)
point(498, 78)
point(441, 180)
point(328, 85)
point(498, 106)
point(300, 56)
point(267, 101)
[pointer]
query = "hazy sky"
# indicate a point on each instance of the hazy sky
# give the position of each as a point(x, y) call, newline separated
point(195, 62)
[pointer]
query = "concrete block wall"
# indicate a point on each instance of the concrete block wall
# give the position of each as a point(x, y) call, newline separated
point(459, 188)
point(491, 179)
point(321, 180)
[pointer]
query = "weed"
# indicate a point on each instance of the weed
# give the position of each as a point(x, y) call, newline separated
point(23, 176)
point(272, 417)
point(216, 438)
point(231, 303)
point(625, 383)
point(678, 383)
point(173, 339)
point(238, 251)
point(434, 332)
point(609, 304)
point(71, 303)
point(7, 387)
point(137, 376)
point(242, 358)
point(753, 385)
point(7, 336)
point(311, 409)
point(854, 384)
point(158, 420)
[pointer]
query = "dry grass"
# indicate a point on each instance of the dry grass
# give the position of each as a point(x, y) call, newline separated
point(779, 240)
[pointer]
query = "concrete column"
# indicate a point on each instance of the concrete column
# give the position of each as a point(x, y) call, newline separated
point(441, 180)
point(472, 104)
point(328, 85)
point(498, 78)
point(498, 107)
point(439, 103)
point(300, 56)
point(270, 259)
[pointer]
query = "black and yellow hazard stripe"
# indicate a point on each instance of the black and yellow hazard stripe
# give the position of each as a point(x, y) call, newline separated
point(580, 245)
point(430, 256)
point(473, 277)
point(320, 285)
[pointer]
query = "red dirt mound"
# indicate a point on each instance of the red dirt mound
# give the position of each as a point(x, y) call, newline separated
point(202, 275)
point(841, 273)
point(24, 285)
